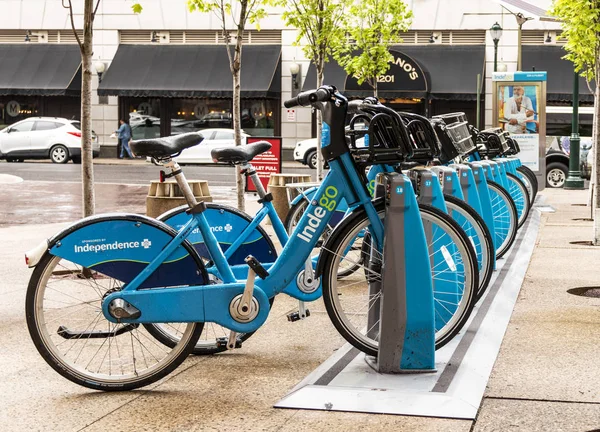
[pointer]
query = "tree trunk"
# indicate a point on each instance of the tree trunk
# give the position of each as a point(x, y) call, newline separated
point(320, 64)
point(596, 171)
point(375, 88)
point(237, 124)
point(87, 163)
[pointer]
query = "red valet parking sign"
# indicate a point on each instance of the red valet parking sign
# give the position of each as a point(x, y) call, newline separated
point(266, 163)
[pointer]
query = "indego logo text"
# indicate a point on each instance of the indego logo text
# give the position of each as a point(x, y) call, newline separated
point(326, 203)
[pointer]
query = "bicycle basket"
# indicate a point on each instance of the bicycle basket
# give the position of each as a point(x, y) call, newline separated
point(386, 141)
point(457, 129)
point(514, 145)
point(424, 140)
point(495, 141)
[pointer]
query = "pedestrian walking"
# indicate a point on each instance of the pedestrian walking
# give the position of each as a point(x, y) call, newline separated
point(124, 134)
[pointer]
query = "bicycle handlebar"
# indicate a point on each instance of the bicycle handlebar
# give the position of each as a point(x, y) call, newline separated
point(321, 94)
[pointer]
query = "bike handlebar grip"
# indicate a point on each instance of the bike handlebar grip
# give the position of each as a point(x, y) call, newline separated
point(308, 97)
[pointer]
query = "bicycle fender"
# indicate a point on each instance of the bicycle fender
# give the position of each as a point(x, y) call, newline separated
point(227, 224)
point(120, 245)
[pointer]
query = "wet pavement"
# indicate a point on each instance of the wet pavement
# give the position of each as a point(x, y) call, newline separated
point(50, 202)
point(30, 202)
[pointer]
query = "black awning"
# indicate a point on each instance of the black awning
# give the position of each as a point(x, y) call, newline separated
point(559, 87)
point(191, 71)
point(443, 71)
point(452, 69)
point(333, 74)
point(40, 69)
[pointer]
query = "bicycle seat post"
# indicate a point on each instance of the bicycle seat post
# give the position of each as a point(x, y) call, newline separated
point(181, 182)
point(250, 172)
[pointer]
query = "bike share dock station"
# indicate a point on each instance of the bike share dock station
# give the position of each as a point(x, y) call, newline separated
point(409, 377)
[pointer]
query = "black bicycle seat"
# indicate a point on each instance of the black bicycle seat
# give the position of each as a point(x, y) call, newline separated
point(240, 154)
point(167, 146)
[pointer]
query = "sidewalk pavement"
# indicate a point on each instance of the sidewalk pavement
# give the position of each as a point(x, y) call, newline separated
point(546, 377)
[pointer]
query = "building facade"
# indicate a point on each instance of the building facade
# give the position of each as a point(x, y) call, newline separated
point(166, 69)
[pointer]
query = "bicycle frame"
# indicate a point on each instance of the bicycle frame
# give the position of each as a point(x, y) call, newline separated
point(183, 304)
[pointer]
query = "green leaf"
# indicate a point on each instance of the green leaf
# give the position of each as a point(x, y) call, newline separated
point(137, 8)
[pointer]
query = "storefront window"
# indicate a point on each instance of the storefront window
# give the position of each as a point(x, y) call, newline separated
point(144, 117)
point(258, 116)
point(189, 115)
point(17, 108)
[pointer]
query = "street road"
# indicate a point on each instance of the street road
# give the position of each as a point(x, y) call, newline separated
point(135, 174)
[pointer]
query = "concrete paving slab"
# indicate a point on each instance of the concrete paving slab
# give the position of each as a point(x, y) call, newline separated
point(562, 236)
point(498, 415)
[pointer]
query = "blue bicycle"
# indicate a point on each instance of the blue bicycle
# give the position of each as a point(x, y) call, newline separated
point(98, 284)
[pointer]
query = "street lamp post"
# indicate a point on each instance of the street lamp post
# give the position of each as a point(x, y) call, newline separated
point(496, 33)
point(574, 180)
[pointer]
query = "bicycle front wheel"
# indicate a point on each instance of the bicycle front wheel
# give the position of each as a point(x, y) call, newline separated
point(348, 302)
point(529, 178)
point(67, 326)
point(479, 235)
point(520, 196)
point(505, 218)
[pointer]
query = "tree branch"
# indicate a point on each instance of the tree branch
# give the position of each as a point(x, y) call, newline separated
point(95, 10)
point(73, 27)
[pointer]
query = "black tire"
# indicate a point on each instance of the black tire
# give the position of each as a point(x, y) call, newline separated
point(76, 159)
point(73, 372)
point(520, 195)
point(531, 188)
point(526, 171)
point(311, 159)
point(59, 154)
point(487, 245)
point(499, 193)
point(556, 175)
point(346, 231)
point(205, 344)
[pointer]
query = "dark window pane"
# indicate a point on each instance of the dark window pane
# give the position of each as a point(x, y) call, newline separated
point(144, 117)
point(22, 127)
point(258, 116)
point(76, 125)
point(190, 115)
point(45, 125)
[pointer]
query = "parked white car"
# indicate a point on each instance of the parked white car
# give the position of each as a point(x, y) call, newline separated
point(53, 138)
point(306, 152)
point(213, 139)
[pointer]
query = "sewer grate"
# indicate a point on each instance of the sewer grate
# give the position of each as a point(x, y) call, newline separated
point(583, 219)
point(591, 291)
point(581, 243)
point(579, 205)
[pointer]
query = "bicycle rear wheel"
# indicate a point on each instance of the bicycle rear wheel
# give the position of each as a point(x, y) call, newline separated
point(347, 299)
point(67, 326)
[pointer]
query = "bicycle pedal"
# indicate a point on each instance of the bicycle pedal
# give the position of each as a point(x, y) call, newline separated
point(223, 341)
point(295, 316)
point(257, 267)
